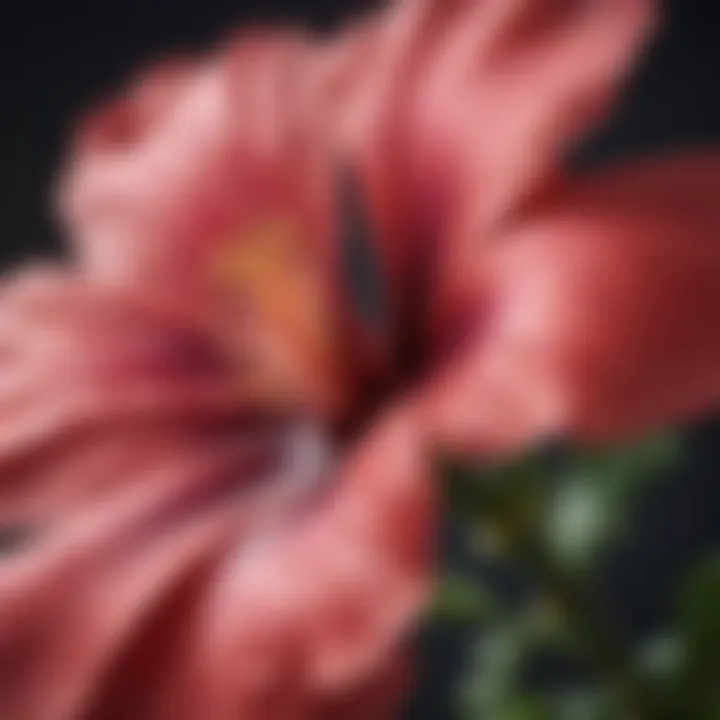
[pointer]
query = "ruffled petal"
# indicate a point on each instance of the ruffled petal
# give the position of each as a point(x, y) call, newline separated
point(439, 98)
point(201, 162)
point(181, 561)
point(593, 316)
point(218, 197)
point(325, 602)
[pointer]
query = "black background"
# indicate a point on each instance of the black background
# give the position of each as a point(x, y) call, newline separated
point(56, 58)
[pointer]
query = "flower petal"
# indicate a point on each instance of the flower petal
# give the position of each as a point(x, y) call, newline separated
point(219, 198)
point(190, 554)
point(327, 602)
point(439, 98)
point(593, 316)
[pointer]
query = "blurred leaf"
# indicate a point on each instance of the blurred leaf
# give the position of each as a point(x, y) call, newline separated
point(497, 483)
point(549, 623)
point(464, 600)
point(590, 504)
point(494, 678)
point(498, 502)
point(584, 704)
point(661, 658)
point(581, 516)
point(700, 606)
point(516, 488)
point(661, 663)
point(553, 513)
point(523, 708)
point(491, 538)
point(463, 494)
point(626, 467)
point(699, 691)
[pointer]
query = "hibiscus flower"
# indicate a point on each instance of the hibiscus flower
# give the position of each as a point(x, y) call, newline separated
point(217, 438)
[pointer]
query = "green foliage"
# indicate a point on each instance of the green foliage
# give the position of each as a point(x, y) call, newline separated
point(553, 514)
point(580, 516)
point(661, 658)
point(492, 688)
point(700, 614)
point(573, 506)
point(585, 704)
point(462, 600)
point(698, 681)
point(592, 499)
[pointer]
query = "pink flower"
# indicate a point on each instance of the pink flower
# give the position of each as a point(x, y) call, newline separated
point(217, 468)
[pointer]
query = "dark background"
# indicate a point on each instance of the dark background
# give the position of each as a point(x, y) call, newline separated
point(56, 58)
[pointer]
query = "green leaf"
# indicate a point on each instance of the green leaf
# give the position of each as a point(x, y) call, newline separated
point(661, 658)
point(699, 692)
point(493, 486)
point(463, 494)
point(584, 704)
point(499, 502)
point(523, 708)
point(493, 681)
point(590, 505)
point(700, 610)
point(580, 518)
point(627, 467)
point(661, 662)
point(552, 516)
point(466, 601)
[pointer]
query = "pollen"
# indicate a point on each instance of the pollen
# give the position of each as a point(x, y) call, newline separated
point(267, 269)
